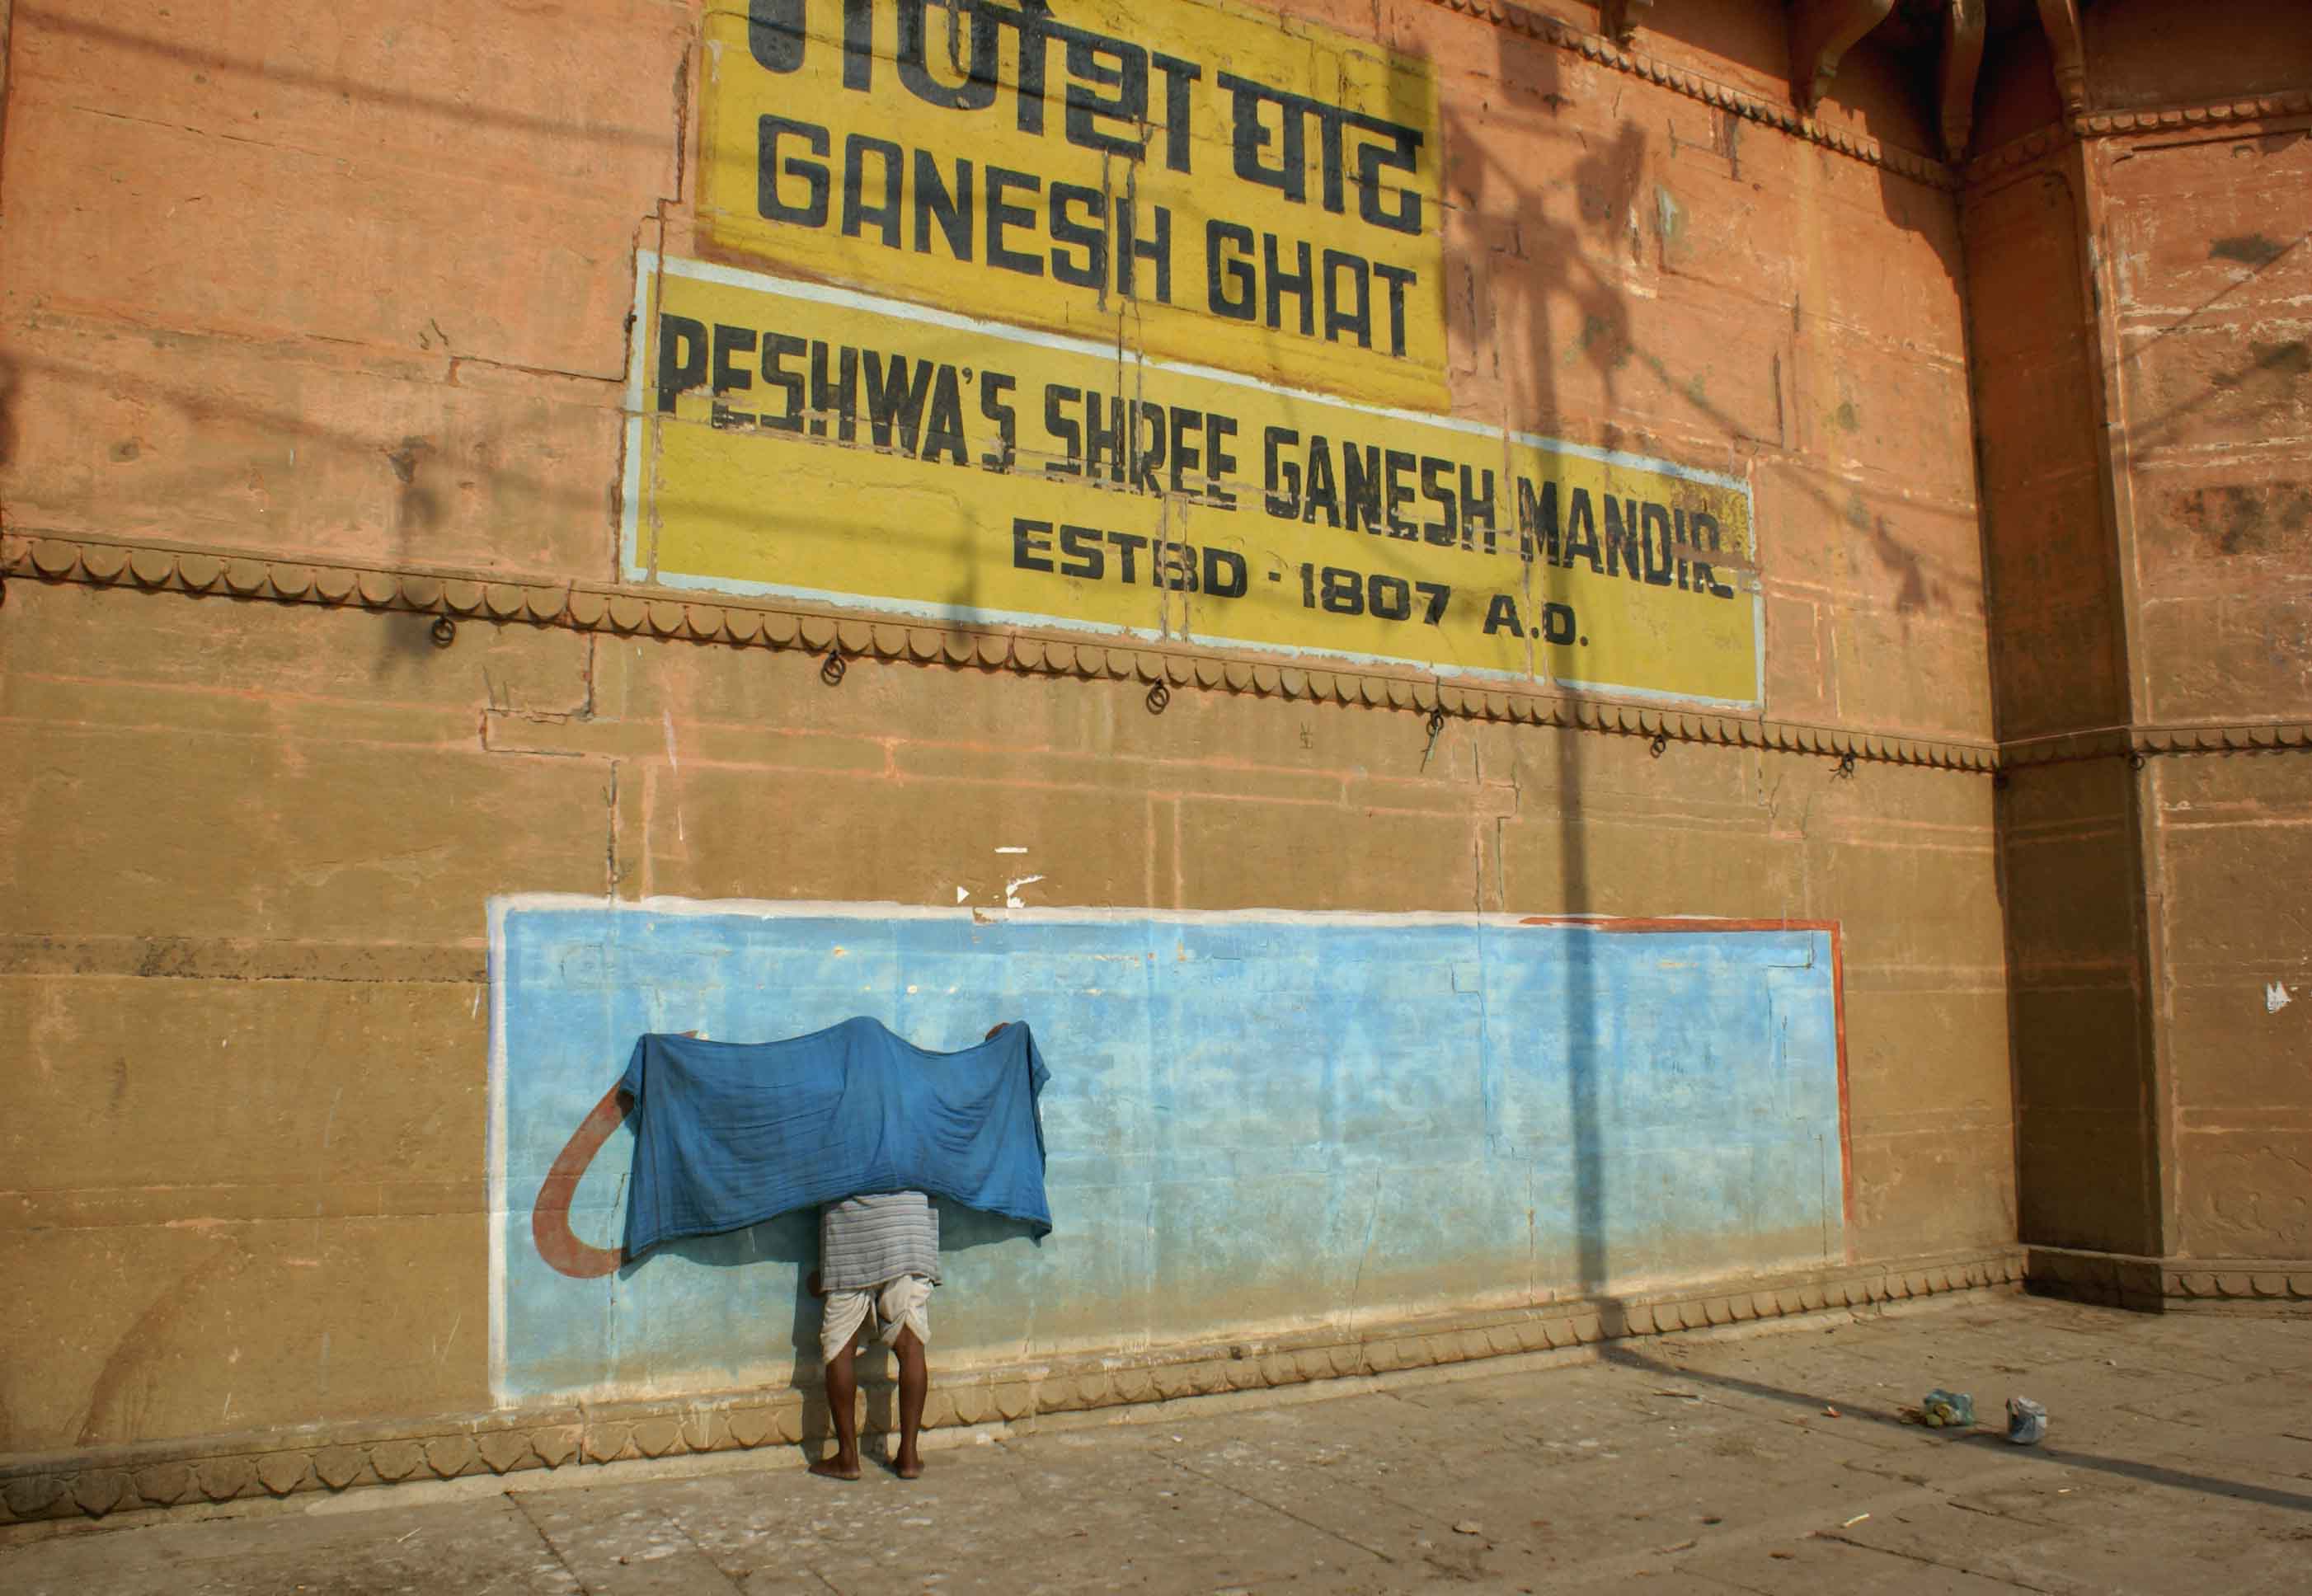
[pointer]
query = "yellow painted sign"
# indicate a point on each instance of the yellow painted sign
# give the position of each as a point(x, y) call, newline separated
point(1192, 179)
point(804, 440)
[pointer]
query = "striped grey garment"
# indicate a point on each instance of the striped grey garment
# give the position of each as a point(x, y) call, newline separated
point(865, 1241)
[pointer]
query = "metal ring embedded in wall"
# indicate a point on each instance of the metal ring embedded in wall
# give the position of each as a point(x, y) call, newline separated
point(831, 670)
point(1660, 742)
point(444, 632)
point(1436, 723)
point(1160, 697)
point(2135, 761)
point(1845, 765)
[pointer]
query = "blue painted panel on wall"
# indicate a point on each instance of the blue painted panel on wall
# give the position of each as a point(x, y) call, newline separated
point(1257, 1121)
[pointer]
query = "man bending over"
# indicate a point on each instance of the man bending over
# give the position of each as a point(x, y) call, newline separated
point(878, 1261)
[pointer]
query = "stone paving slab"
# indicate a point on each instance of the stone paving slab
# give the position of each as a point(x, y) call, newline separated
point(490, 1544)
point(2180, 1459)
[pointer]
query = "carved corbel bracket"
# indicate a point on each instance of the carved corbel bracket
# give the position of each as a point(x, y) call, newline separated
point(1821, 33)
point(1614, 21)
point(2061, 19)
point(1955, 78)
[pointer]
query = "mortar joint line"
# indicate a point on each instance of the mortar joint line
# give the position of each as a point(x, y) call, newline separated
point(1238, 1491)
point(522, 1507)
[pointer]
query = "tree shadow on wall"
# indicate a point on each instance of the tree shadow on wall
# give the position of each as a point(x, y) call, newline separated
point(1527, 255)
point(1559, 240)
point(1557, 274)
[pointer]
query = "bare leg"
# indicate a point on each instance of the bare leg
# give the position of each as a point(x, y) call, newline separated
point(914, 1384)
point(843, 1405)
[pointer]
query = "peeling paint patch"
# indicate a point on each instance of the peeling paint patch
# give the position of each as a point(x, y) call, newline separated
point(2249, 249)
point(2276, 997)
point(1669, 224)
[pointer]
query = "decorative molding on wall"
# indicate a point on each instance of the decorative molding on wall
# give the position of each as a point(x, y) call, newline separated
point(2143, 742)
point(742, 623)
point(1780, 114)
point(750, 623)
point(2218, 114)
point(2169, 1285)
point(2015, 152)
point(96, 1481)
point(2255, 737)
point(2213, 113)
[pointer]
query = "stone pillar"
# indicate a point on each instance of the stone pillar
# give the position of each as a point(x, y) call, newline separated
point(2143, 382)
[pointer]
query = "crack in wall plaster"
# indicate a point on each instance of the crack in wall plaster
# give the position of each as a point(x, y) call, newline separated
point(610, 837)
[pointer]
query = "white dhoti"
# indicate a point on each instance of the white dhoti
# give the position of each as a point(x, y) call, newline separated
point(904, 1302)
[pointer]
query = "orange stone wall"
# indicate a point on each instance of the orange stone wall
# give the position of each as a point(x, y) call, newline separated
point(2144, 388)
point(2205, 284)
point(313, 334)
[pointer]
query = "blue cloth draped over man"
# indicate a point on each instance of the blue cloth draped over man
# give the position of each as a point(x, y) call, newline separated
point(863, 1125)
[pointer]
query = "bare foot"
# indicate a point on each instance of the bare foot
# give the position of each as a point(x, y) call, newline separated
point(909, 1465)
point(837, 1467)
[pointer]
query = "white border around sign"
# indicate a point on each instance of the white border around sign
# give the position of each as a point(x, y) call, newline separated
point(781, 909)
